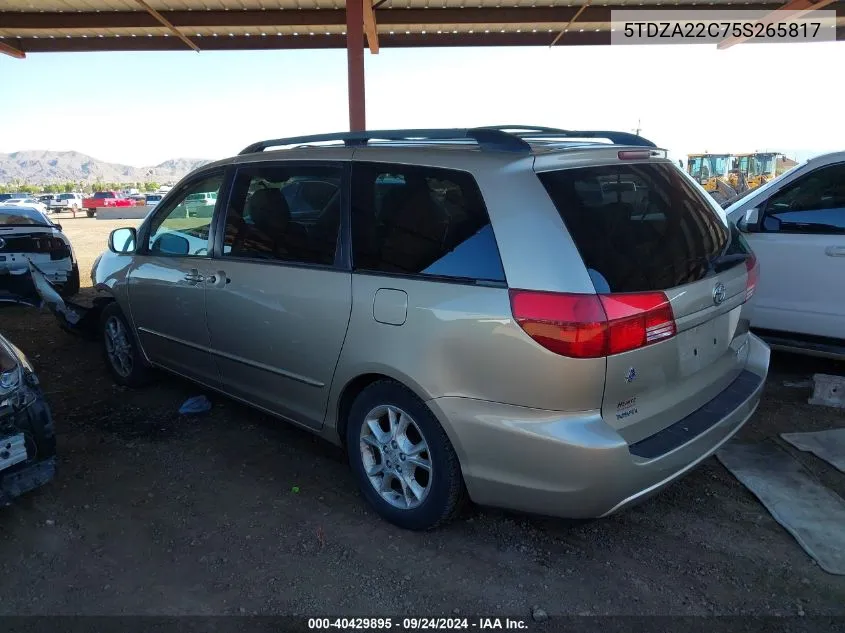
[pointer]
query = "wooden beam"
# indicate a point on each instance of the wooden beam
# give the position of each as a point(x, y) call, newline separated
point(355, 65)
point(370, 26)
point(11, 51)
point(568, 24)
point(158, 16)
point(793, 9)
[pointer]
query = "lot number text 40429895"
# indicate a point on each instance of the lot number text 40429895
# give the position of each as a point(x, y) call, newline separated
point(417, 624)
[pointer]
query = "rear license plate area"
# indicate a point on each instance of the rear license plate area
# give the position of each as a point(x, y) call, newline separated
point(705, 343)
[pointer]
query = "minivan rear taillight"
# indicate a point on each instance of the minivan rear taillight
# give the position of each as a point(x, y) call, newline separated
point(753, 275)
point(593, 326)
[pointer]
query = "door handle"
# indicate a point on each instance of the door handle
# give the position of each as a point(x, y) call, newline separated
point(194, 277)
point(835, 251)
point(219, 278)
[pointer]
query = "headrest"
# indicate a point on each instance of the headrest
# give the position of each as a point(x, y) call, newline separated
point(269, 210)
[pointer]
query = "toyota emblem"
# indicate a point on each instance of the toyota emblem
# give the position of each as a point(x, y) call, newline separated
point(719, 293)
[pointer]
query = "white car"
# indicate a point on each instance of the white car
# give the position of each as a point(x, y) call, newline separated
point(152, 199)
point(66, 202)
point(27, 202)
point(200, 205)
point(26, 235)
point(795, 225)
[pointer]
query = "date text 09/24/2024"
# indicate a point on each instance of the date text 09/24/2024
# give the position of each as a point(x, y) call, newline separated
point(416, 624)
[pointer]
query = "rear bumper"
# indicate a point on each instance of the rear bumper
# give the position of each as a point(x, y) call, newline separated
point(30, 476)
point(574, 464)
point(40, 468)
point(16, 272)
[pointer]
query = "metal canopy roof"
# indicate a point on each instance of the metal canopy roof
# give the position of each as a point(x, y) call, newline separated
point(32, 26)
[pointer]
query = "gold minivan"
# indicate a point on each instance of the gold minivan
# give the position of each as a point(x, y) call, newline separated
point(543, 320)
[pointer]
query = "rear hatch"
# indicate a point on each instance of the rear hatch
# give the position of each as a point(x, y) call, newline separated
point(672, 279)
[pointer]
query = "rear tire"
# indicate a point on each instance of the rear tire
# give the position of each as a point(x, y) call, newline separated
point(405, 464)
point(121, 350)
point(90, 212)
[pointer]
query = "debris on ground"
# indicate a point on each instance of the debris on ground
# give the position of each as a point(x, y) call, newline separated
point(813, 514)
point(828, 445)
point(195, 405)
point(539, 615)
point(798, 384)
point(828, 391)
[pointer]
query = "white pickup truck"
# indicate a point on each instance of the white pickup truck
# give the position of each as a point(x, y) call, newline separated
point(66, 202)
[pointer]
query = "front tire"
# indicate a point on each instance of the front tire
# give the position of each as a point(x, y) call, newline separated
point(120, 349)
point(405, 464)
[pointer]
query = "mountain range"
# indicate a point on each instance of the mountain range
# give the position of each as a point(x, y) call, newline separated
point(40, 167)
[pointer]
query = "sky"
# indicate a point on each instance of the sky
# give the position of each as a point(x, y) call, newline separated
point(143, 108)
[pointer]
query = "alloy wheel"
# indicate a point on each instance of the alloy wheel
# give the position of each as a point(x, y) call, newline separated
point(396, 457)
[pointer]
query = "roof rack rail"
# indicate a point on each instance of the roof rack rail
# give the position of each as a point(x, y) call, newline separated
point(533, 131)
point(486, 138)
point(503, 138)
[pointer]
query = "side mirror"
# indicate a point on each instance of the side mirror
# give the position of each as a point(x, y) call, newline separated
point(772, 224)
point(122, 240)
point(171, 244)
point(748, 223)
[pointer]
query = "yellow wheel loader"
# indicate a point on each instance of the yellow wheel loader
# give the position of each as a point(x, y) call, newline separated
point(712, 172)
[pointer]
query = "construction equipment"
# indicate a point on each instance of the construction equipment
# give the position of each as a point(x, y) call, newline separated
point(712, 172)
point(749, 171)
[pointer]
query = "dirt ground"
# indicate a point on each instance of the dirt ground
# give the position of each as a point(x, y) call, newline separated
point(232, 512)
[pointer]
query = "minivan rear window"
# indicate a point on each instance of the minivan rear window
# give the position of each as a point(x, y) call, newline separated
point(640, 227)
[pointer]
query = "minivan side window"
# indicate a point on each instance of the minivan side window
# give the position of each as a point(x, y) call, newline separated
point(421, 221)
point(813, 204)
point(182, 227)
point(265, 221)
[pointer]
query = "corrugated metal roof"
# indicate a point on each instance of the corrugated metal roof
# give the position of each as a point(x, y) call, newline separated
point(50, 6)
point(80, 25)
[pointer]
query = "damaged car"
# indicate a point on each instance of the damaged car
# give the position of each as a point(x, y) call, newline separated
point(27, 235)
point(27, 438)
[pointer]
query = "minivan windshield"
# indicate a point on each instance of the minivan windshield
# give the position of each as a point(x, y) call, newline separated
point(641, 227)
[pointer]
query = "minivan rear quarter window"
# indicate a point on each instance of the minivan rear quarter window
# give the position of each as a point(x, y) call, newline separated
point(640, 227)
point(422, 221)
